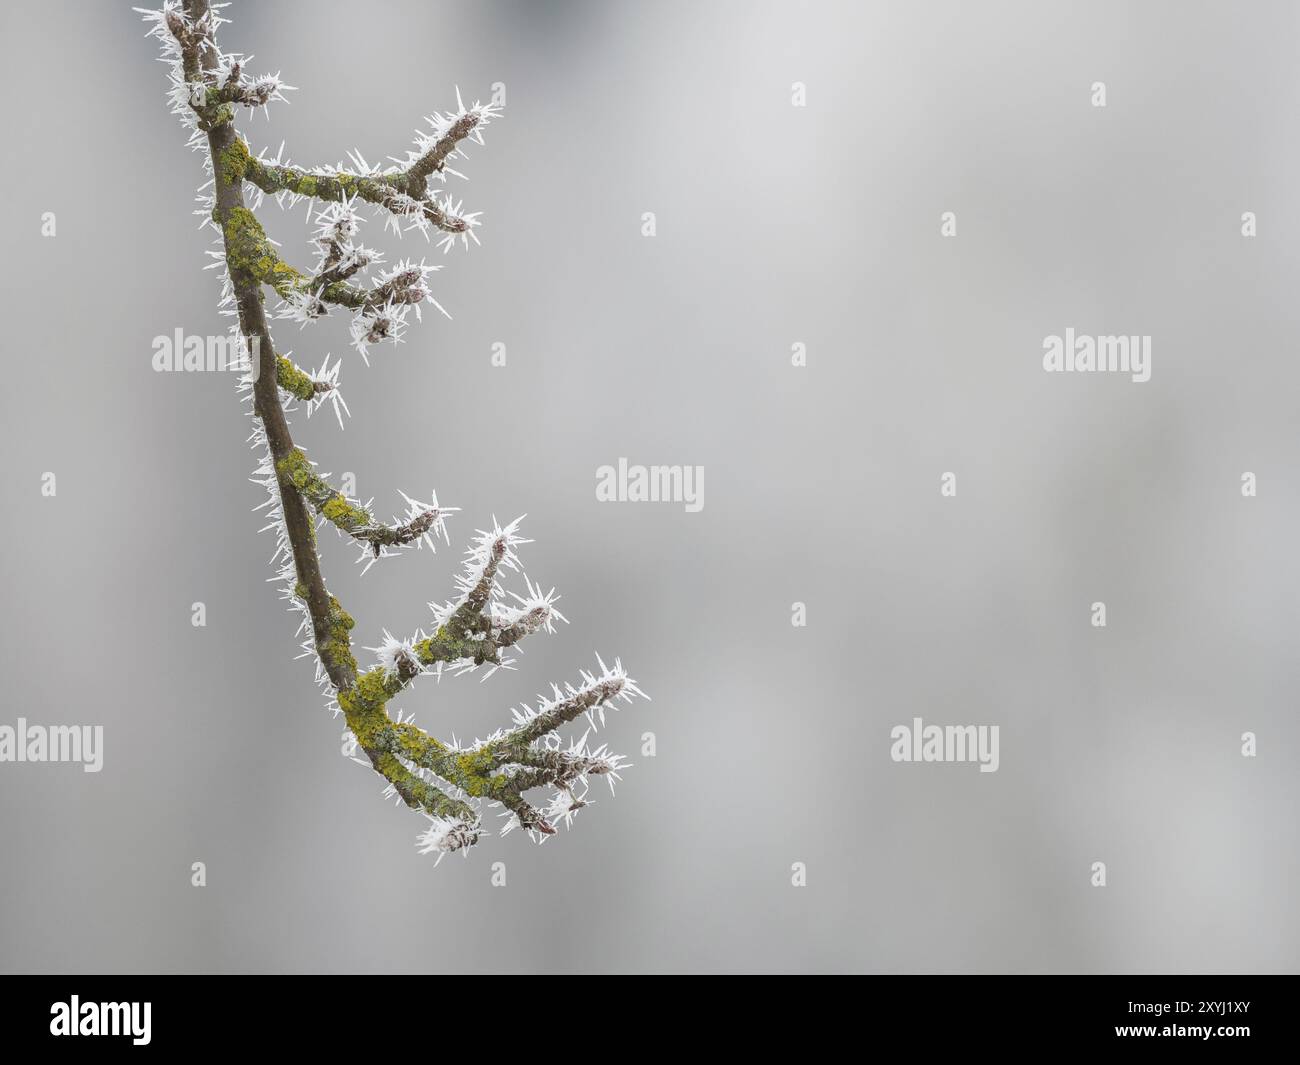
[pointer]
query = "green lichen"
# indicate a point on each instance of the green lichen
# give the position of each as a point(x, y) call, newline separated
point(345, 515)
point(247, 249)
point(368, 695)
point(233, 161)
point(418, 745)
point(335, 643)
point(451, 644)
point(295, 468)
point(293, 380)
point(471, 771)
point(249, 254)
point(284, 278)
point(210, 117)
point(476, 763)
point(365, 706)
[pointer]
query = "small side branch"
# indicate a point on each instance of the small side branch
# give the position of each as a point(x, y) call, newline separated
point(434, 159)
point(298, 382)
point(296, 470)
point(384, 190)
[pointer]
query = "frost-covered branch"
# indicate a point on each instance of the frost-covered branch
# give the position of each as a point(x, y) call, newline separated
point(401, 190)
point(353, 518)
point(237, 88)
point(440, 144)
point(449, 783)
point(386, 190)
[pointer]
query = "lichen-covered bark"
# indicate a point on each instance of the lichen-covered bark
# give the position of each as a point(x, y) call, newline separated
point(383, 190)
point(297, 382)
point(296, 469)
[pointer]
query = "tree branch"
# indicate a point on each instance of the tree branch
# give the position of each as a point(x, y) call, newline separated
point(383, 190)
point(471, 632)
point(295, 469)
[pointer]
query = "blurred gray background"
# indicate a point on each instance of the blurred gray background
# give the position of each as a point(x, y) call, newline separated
point(775, 225)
